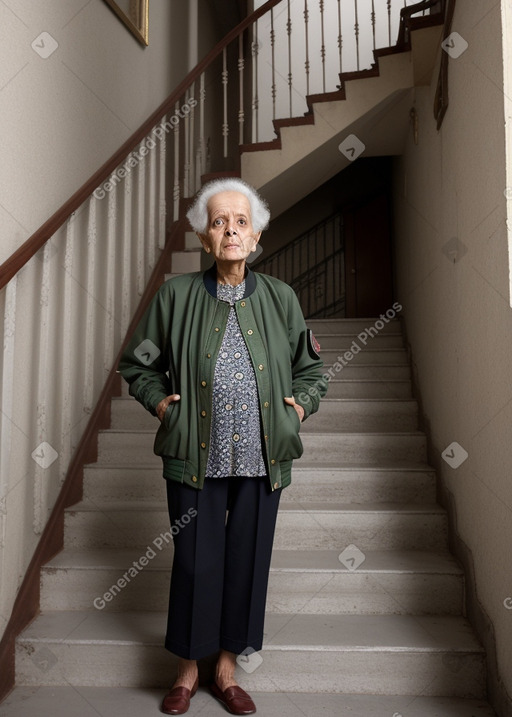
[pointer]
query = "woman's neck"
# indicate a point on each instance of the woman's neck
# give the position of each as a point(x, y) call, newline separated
point(232, 273)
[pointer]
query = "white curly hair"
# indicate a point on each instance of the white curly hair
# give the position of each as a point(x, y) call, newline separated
point(198, 212)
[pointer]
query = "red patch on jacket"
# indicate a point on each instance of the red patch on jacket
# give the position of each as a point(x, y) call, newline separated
point(313, 345)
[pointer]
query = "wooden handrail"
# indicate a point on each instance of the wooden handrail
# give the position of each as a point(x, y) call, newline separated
point(37, 240)
point(32, 245)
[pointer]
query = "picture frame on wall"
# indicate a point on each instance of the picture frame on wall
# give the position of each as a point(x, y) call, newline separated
point(135, 15)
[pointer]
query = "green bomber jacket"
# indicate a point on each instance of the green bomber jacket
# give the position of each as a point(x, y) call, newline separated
point(174, 350)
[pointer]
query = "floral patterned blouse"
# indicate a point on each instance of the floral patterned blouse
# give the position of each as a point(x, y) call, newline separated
point(235, 439)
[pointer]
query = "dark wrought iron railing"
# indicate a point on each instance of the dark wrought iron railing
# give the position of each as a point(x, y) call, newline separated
point(313, 264)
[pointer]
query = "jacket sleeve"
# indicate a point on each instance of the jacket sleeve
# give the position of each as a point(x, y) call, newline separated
point(145, 360)
point(308, 382)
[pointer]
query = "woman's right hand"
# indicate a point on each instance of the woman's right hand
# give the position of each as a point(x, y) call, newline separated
point(164, 404)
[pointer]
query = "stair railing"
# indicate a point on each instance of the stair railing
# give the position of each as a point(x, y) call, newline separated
point(324, 39)
point(68, 293)
point(313, 264)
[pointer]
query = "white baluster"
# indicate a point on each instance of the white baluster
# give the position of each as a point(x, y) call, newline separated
point(89, 346)
point(356, 30)
point(141, 216)
point(108, 279)
point(44, 367)
point(69, 358)
point(225, 123)
point(306, 36)
point(389, 21)
point(373, 21)
point(241, 64)
point(273, 53)
point(290, 71)
point(176, 184)
point(340, 38)
point(187, 162)
point(7, 386)
point(202, 138)
point(126, 254)
point(162, 189)
point(255, 101)
point(191, 119)
point(153, 165)
point(322, 45)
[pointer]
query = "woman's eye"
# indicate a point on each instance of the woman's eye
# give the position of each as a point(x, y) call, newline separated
point(241, 221)
point(217, 222)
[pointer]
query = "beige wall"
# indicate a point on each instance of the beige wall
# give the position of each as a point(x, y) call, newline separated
point(63, 116)
point(458, 316)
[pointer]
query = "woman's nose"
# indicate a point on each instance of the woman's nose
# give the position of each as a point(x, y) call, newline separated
point(230, 231)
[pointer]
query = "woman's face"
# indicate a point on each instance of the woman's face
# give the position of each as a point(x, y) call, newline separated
point(230, 235)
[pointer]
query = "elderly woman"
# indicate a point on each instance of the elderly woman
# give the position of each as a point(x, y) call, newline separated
point(219, 357)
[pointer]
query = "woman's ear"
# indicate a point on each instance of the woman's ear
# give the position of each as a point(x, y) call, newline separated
point(204, 241)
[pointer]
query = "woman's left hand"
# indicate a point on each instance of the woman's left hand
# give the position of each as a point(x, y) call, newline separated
point(297, 407)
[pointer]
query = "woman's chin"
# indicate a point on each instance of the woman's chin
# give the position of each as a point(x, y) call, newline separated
point(232, 255)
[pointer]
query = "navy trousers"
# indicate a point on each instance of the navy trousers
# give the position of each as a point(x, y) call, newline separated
point(221, 565)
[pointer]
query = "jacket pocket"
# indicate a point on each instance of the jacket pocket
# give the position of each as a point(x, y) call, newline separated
point(295, 418)
point(171, 415)
point(168, 436)
point(287, 442)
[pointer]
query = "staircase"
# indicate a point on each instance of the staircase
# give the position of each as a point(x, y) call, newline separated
point(365, 604)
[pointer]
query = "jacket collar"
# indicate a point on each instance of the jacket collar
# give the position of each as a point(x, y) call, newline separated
point(210, 281)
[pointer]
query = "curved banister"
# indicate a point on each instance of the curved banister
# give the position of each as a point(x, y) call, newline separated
point(38, 239)
point(32, 245)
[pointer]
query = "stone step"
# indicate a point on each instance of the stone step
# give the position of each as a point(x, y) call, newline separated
point(346, 354)
point(353, 326)
point(133, 702)
point(360, 378)
point(339, 388)
point(362, 340)
point(352, 414)
point(346, 484)
point(383, 654)
point(353, 388)
point(192, 242)
point(356, 371)
point(319, 526)
point(301, 582)
point(130, 447)
point(186, 261)
point(343, 414)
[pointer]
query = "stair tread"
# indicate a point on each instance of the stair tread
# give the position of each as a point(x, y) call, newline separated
point(335, 379)
point(311, 561)
point(364, 467)
point(302, 466)
point(287, 507)
point(326, 399)
point(417, 508)
point(370, 380)
point(302, 631)
point(396, 332)
point(317, 436)
point(133, 702)
point(371, 319)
